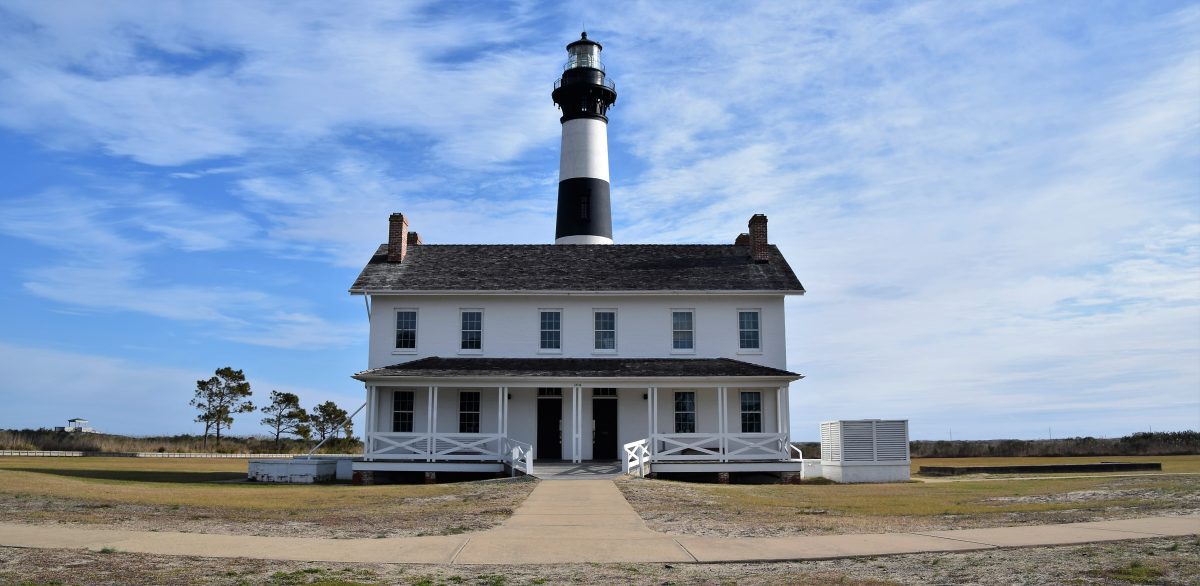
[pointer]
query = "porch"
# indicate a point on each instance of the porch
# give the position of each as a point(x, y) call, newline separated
point(461, 422)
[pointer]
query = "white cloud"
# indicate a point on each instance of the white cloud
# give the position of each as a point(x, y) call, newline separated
point(168, 85)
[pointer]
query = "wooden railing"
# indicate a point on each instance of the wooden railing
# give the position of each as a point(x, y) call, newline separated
point(637, 457)
point(435, 446)
point(518, 455)
point(719, 447)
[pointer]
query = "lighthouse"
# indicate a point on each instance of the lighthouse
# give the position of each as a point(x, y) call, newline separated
point(584, 95)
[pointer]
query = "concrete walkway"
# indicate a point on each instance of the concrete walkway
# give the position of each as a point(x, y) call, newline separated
point(583, 521)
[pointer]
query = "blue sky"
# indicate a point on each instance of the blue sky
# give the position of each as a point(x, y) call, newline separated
point(995, 206)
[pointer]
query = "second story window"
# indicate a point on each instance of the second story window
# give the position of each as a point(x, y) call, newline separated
point(606, 329)
point(682, 330)
point(551, 330)
point(748, 330)
point(472, 329)
point(406, 329)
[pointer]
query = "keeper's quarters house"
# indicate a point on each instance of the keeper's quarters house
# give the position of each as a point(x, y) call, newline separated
point(486, 356)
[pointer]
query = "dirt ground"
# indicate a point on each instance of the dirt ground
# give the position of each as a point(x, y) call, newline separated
point(1150, 561)
point(682, 508)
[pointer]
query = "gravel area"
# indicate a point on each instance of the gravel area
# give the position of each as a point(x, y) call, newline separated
point(1149, 561)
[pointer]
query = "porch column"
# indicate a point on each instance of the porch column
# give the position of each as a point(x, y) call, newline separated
point(432, 429)
point(499, 415)
point(723, 421)
point(785, 411)
point(653, 421)
point(576, 423)
point(503, 411)
point(370, 420)
point(778, 410)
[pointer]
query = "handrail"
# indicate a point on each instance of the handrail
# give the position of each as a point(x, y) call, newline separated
point(792, 448)
point(606, 82)
point(637, 454)
point(518, 455)
point(334, 434)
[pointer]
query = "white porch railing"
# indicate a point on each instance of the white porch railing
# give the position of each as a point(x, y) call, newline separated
point(477, 447)
point(435, 446)
point(637, 457)
point(719, 447)
point(518, 455)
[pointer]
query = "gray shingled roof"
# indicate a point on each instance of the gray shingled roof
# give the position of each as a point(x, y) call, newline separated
point(575, 367)
point(549, 267)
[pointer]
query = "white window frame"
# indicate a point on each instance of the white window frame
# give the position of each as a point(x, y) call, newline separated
point(612, 350)
point(416, 330)
point(461, 311)
point(561, 338)
point(412, 411)
point(677, 412)
point(671, 314)
point(742, 410)
point(737, 318)
point(478, 410)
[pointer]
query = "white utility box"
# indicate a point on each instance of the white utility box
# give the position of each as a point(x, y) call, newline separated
point(865, 450)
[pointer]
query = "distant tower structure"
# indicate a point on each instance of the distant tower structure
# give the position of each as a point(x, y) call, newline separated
point(584, 95)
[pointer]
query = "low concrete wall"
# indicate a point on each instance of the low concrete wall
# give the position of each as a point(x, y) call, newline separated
point(810, 469)
point(293, 471)
point(862, 473)
point(1042, 468)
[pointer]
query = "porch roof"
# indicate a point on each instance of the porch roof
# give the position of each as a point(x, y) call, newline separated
point(436, 366)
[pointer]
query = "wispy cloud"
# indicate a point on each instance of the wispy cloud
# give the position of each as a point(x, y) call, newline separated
point(992, 204)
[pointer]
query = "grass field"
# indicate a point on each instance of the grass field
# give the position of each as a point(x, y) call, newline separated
point(689, 508)
point(188, 495)
point(185, 495)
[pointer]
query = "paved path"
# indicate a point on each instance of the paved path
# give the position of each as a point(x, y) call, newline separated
point(583, 521)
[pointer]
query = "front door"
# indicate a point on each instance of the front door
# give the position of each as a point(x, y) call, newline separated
point(549, 428)
point(604, 438)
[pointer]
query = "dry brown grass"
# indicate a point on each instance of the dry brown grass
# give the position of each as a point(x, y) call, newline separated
point(186, 495)
point(710, 509)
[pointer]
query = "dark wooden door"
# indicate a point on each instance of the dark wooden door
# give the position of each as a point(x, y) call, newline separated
point(604, 417)
point(549, 429)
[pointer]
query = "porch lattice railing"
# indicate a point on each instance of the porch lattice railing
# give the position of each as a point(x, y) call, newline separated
point(435, 446)
point(718, 447)
point(475, 447)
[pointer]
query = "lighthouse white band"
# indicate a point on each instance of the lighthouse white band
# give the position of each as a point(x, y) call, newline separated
point(584, 149)
point(583, 239)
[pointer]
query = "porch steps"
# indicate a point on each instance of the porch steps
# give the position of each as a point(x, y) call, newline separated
point(564, 470)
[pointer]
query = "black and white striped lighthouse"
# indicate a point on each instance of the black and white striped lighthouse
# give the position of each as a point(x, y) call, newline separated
point(584, 95)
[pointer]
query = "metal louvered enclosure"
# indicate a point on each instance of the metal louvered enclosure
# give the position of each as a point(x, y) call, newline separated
point(865, 450)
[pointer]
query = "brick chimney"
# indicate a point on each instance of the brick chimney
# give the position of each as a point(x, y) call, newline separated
point(397, 237)
point(759, 249)
point(414, 239)
point(742, 239)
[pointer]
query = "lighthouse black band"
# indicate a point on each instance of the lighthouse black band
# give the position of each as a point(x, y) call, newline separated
point(583, 208)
